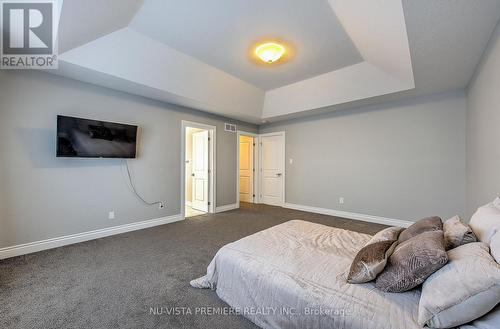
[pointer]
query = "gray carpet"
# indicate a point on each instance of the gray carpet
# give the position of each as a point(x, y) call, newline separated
point(113, 282)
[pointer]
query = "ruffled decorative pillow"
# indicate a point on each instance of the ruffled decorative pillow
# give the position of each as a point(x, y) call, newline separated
point(456, 233)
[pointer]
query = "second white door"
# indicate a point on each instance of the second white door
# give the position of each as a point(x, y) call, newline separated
point(200, 171)
point(272, 169)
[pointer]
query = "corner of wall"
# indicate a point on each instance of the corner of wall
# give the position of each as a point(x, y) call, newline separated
point(482, 117)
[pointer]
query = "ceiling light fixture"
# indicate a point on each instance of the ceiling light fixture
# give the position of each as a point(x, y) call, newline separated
point(270, 52)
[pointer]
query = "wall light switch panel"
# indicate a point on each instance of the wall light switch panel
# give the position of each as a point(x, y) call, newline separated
point(111, 215)
point(341, 200)
point(291, 161)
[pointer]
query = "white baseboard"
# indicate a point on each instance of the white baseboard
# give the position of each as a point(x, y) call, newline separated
point(350, 215)
point(31, 247)
point(227, 207)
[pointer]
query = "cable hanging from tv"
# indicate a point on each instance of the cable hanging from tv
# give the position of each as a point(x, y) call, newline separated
point(134, 190)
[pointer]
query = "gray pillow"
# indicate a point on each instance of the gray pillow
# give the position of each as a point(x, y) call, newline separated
point(456, 233)
point(413, 261)
point(465, 289)
point(372, 258)
point(426, 224)
point(370, 261)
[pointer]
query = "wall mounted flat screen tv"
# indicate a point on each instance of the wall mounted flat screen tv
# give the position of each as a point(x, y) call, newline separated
point(84, 138)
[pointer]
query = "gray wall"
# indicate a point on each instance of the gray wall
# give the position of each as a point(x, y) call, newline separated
point(483, 129)
point(403, 160)
point(50, 197)
point(3, 204)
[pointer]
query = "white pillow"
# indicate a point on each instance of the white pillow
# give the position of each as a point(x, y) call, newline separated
point(495, 247)
point(463, 290)
point(496, 202)
point(486, 221)
point(489, 321)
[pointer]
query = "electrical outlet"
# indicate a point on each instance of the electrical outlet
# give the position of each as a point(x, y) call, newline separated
point(161, 206)
point(111, 215)
point(341, 200)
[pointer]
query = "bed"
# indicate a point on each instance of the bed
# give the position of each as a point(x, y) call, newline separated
point(293, 275)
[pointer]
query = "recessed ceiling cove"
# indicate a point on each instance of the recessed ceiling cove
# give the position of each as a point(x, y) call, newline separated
point(221, 33)
point(338, 53)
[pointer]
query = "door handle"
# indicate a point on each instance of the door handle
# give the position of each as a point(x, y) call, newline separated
point(279, 174)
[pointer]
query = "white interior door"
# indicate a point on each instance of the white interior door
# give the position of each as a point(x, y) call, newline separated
point(246, 169)
point(200, 171)
point(272, 169)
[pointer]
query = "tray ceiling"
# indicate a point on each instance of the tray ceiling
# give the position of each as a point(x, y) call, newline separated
point(221, 32)
point(345, 52)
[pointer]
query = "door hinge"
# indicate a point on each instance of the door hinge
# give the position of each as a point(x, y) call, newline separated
point(254, 195)
point(208, 138)
point(253, 144)
point(209, 203)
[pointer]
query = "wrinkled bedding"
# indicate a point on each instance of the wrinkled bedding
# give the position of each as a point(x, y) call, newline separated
point(293, 275)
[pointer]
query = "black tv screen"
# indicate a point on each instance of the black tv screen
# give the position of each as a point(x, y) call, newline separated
point(84, 138)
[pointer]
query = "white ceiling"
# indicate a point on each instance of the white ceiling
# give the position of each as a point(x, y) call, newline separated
point(447, 39)
point(221, 32)
point(85, 21)
point(347, 52)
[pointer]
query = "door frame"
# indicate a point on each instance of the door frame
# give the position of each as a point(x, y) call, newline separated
point(256, 165)
point(283, 181)
point(212, 163)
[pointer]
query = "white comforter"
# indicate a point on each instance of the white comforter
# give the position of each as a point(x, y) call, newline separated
point(293, 275)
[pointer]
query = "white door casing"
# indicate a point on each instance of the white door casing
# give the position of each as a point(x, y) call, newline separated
point(246, 176)
point(200, 169)
point(272, 173)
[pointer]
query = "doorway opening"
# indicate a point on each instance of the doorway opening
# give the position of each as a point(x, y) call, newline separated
point(261, 168)
point(198, 182)
point(247, 167)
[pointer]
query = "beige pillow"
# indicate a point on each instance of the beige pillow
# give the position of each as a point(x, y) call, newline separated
point(372, 258)
point(465, 289)
point(423, 225)
point(390, 233)
point(456, 233)
point(413, 261)
point(485, 222)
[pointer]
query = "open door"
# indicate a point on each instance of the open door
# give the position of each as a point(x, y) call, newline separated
point(246, 169)
point(200, 171)
point(272, 169)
